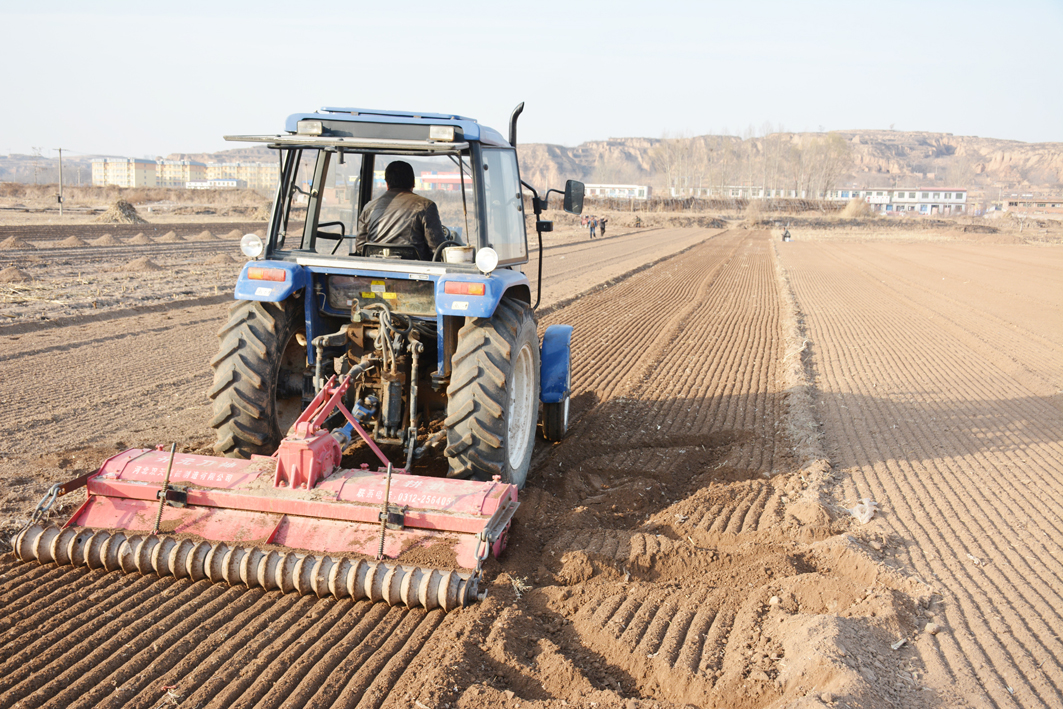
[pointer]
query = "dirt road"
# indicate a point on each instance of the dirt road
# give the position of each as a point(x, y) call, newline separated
point(938, 375)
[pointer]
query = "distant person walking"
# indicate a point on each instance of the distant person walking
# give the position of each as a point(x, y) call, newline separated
point(601, 224)
point(593, 223)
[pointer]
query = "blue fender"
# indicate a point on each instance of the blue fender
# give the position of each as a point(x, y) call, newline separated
point(270, 291)
point(555, 364)
point(496, 285)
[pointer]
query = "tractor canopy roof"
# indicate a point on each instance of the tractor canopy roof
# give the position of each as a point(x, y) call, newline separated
point(410, 125)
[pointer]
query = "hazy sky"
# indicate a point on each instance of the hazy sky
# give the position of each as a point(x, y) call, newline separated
point(125, 79)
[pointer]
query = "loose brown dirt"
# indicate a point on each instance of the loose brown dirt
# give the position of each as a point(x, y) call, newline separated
point(13, 274)
point(686, 545)
point(938, 380)
point(106, 240)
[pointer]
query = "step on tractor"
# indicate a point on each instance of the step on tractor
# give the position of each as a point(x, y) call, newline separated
point(337, 344)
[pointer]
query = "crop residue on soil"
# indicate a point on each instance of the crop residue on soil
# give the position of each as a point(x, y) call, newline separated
point(121, 212)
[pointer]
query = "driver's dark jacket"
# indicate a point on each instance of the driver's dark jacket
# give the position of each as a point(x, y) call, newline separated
point(403, 219)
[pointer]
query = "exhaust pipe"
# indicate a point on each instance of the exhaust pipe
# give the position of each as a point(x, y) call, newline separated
point(513, 123)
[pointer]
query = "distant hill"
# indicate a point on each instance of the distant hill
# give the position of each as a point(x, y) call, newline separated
point(876, 158)
point(868, 158)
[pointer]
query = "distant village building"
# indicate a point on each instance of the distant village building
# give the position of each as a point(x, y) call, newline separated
point(175, 173)
point(224, 183)
point(180, 174)
point(921, 200)
point(617, 191)
point(123, 172)
point(892, 200)
point(737, 192)
point(256, 175)
point(1030, 204)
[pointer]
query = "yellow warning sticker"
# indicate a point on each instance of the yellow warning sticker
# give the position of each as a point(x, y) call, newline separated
point(377, 286)
point(390, 296)
point(369, 295)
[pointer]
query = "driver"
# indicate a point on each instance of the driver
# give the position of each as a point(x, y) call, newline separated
point(400, 217)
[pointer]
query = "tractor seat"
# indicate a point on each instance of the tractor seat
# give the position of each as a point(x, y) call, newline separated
point(391, 251)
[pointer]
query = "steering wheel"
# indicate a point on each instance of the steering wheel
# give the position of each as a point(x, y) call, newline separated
point(339, 239)
point(343, 230)
point(438, 255)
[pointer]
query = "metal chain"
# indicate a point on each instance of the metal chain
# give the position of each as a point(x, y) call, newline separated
point(483, 548)
point(44, 505)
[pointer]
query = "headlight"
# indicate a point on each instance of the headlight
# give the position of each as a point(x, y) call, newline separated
point(309, 128)
point(486, 260)
point(251, 245)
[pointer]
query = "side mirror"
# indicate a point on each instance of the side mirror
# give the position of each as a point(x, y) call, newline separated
point(573, 197)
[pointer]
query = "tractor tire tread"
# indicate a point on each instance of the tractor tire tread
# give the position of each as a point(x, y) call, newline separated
point(477, 393)
point(245, 375)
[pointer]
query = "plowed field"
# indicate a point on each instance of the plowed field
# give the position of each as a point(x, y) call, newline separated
point(683, 546)
point(938, 374)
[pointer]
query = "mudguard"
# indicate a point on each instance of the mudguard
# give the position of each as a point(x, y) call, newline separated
point(555, 363)
point(496, 285)
point(270, 291)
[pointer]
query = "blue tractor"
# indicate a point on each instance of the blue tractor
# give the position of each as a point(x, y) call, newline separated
point(439, 350)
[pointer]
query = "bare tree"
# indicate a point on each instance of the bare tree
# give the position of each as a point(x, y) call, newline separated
point(817, 164)
point(681, 160)
point(960, 171)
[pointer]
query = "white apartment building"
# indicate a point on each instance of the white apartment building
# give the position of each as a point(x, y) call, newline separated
point(921, 200)
point(175, 173)
point(256, 175)
point(180, 174)
point(618, 191)
point(123, 172)
point(888, 200)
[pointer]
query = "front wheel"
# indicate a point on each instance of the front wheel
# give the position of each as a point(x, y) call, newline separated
point(555, 416)
point(493, 396)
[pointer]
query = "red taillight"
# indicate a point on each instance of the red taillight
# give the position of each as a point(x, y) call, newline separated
point(463, 288)
point(267, 274)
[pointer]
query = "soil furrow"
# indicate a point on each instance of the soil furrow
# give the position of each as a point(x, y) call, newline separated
point(886, 367)
point(639, 572)
point(146, 659)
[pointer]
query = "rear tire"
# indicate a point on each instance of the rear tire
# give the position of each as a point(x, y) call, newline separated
point(493, 396)
point(258, 372)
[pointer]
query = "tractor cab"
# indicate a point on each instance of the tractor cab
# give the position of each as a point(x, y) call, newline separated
point(333, 164)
